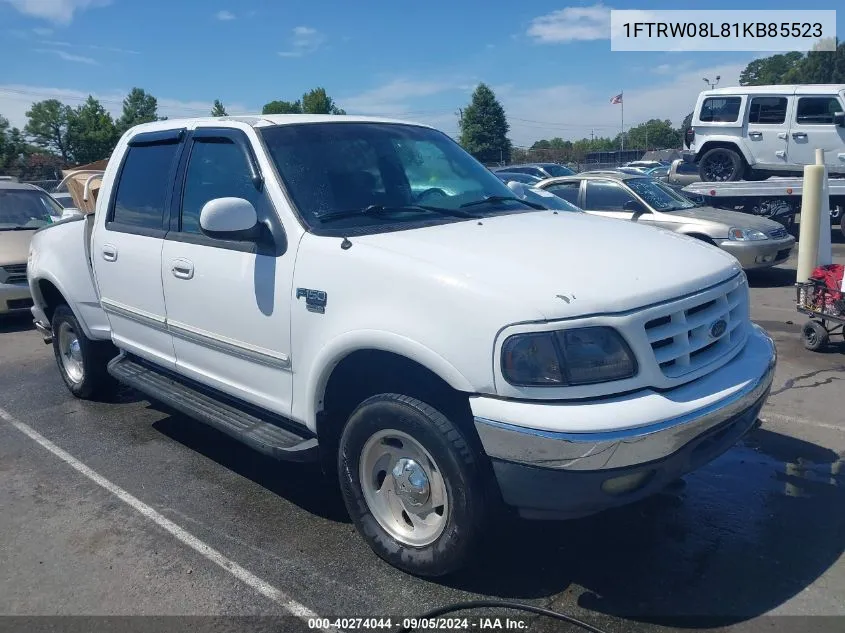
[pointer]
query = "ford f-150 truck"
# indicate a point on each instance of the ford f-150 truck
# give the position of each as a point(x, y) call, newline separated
point(364, 293)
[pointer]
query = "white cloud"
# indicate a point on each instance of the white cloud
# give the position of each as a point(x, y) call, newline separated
point(573, 111)
point(68, 57)
point(224, 15)
point(42, 31)
point(58, 11)
point(112, 49)
point(54, 43)
point(305, 40)
point(16, 99)
point(571, 24)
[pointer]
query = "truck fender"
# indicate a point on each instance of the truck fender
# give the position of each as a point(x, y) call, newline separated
point(341, 346)
point(722, 141)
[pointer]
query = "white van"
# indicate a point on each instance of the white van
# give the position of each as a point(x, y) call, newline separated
point(754, 132)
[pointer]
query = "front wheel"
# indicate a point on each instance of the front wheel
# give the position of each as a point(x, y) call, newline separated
point(721, 164)
point(412, 485)
point(82, 361)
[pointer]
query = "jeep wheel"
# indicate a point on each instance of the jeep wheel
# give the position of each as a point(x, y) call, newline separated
point(721, 165)
point(82, 362)
point(412, 484)
point(842, 223)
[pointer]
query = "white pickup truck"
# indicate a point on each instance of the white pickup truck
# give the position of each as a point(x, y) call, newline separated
point(363, 292)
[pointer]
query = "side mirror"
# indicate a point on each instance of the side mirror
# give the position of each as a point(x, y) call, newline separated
point(229, 219)
point(635, 206)
point(839, 118)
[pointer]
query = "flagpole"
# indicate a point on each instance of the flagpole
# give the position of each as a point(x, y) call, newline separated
point(622, 103)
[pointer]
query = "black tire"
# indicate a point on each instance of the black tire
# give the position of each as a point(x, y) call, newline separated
point(456, 463)
point(93, 357)
point(815, 336)
point(721, 164)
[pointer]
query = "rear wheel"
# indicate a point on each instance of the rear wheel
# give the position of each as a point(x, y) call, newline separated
point(82, 362)
point(721, 164)
point(412, 484)
point(815, 336)
point(842, 223)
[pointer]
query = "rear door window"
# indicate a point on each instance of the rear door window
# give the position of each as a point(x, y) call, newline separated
point(146, 180)
point(720, 109)
point(767, 110)
point(566, 190)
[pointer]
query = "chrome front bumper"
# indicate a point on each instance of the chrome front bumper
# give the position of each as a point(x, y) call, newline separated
point(605, 450)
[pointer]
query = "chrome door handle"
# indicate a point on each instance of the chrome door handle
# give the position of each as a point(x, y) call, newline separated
point(755, 134)
point(799, 135)
point(182, 268)
point(109, 253)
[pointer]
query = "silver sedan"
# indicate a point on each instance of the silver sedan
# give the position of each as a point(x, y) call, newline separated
point(756, 242)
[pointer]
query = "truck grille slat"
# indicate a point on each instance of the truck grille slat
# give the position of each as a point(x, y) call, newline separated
point(13, 274)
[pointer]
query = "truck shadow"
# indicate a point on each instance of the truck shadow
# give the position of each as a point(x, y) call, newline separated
point(775, 277)
point(16, 323)
point(730, 542)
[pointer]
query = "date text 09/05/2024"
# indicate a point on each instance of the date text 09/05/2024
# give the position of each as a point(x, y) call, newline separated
point(465, 624)
point(724, 29)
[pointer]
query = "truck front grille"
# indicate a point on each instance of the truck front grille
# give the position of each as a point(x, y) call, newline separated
point(687, 339)
point(13, 274)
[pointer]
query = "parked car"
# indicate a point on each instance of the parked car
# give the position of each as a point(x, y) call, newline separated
point(645, 164)
point(525, 179)
point(754, 132)
point(23, 209)
point(756, 242)
point(437, 352)
point(540, 170)
point(683, 172)
point(661, 172)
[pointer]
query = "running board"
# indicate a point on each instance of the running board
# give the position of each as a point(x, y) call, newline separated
point(263, 431)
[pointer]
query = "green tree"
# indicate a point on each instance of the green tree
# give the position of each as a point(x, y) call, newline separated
point(770, 70)
point(48, 126)
point(92, 133)
point(316, 101)
point(484, 127)
point(653, 134)
point(217, 109)
point(282, 107)
point(138, 107)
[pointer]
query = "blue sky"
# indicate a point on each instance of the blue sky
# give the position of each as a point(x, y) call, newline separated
point(549, 62)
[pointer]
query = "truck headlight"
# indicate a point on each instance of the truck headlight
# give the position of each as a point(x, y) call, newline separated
point(578, 356)
point(746, 235)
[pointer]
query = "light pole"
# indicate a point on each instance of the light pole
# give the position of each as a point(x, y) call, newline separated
point(712, 84)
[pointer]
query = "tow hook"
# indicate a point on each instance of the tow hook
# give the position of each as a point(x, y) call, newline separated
point(46, 332)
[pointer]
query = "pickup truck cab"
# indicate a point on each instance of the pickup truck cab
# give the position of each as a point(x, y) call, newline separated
point(363, 292)
point(753, 132)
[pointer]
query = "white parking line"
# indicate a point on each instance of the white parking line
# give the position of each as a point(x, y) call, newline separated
point(261, 586)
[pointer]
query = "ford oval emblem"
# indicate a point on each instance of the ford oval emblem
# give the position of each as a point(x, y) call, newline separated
point(718, 328)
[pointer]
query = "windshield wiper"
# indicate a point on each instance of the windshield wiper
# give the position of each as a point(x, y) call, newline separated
point(492, 199)
point(376, 209)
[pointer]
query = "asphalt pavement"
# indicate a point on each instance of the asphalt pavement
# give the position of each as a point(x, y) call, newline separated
point(124, 508)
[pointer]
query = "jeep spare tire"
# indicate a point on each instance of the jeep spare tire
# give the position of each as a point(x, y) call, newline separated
point(721, 165)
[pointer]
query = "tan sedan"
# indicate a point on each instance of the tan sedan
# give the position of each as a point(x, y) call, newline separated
point(755, 241)
point(23, 210)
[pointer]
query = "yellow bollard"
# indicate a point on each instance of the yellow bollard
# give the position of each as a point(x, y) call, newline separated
point(811, 199)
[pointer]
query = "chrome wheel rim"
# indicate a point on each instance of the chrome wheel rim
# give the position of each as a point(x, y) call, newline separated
point(71, 353)
point(404, 488)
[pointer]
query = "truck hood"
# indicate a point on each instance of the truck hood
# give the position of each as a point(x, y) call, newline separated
point(562, 264)
point(731, 219)
point(14, 246)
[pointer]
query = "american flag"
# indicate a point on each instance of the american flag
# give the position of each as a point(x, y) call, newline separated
point(617, 99)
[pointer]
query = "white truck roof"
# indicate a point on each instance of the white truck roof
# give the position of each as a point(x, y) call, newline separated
point(263, 120)
point(776, 89)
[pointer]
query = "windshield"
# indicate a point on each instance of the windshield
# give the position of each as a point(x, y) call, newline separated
point(330, 169)
point(657, 195)
point(26, 209)
point(556, 170)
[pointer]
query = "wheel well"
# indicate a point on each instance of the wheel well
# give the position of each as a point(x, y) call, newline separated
point(50, 296)
point(724, 144)
point(365, 373)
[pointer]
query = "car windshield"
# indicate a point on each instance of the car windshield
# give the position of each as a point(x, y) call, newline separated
point(410, 174)
point(658, 196)
point(26, 209)
point(556, 170)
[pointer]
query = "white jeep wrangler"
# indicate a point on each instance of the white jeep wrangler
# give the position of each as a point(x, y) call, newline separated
point(754, 132)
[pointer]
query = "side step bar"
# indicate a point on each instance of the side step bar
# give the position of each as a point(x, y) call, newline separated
point(265, 432)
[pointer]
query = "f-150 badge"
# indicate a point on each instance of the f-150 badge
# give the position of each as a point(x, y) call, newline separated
point(315, 300)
